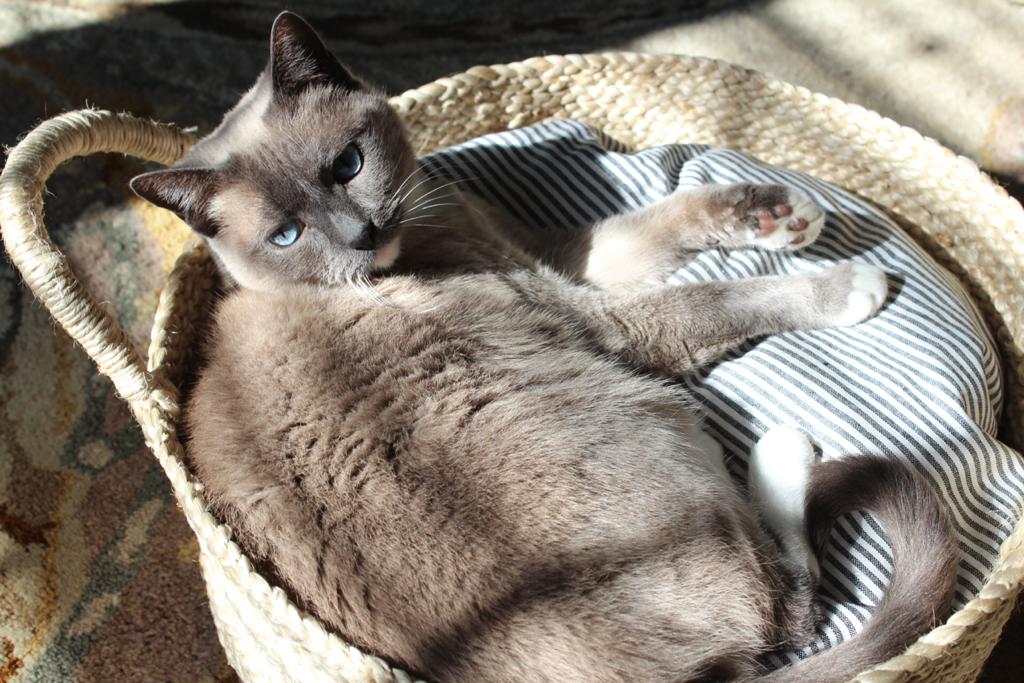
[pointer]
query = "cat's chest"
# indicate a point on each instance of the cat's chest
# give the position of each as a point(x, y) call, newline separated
point(381, 355)
point(342, 361)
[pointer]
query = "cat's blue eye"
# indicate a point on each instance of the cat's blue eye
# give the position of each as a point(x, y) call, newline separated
point(348, 164)
point(286, 235)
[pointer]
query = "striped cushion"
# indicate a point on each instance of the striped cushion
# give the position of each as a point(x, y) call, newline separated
point(920, 382)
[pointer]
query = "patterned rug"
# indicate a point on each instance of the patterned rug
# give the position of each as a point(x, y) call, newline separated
point(98, 573)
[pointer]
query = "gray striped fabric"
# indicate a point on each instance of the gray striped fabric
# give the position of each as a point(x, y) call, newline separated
point(920, 382)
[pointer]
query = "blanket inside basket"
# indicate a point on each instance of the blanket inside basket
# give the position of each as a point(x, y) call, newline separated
point(920, 382)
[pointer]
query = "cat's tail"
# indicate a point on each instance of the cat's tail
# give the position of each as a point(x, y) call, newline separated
point(924, 560)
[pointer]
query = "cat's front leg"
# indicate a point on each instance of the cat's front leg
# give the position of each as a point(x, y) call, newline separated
point(673, 330)
point(643, 247)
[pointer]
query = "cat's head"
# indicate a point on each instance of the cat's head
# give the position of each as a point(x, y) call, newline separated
point(303, 179)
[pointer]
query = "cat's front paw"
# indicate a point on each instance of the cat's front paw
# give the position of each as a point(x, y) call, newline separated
point(772, 216)
point(790, 224)
point(849, 293)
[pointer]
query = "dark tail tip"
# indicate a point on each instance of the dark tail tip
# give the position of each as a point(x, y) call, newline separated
point(925, 559)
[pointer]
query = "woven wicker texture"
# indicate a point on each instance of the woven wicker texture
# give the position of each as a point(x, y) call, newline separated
point(964, 220)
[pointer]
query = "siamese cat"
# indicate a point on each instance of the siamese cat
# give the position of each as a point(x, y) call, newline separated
point(457, 443)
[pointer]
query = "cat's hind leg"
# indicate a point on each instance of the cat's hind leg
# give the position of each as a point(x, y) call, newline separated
point(780, 471)
point(643, 247)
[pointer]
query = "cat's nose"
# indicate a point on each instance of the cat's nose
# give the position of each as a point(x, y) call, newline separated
point(366, 240)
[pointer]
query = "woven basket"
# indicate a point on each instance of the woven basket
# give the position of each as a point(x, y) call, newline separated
point(965, 220)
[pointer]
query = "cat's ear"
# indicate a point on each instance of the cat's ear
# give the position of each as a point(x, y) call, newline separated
point(299, 59)
point(185, 191)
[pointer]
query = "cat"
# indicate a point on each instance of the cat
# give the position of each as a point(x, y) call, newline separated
point(457, 443)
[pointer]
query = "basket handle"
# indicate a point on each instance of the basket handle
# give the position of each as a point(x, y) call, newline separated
point(42, 265)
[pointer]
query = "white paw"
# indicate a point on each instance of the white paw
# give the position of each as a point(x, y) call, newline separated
point(797, 230)
point(868, 288)
point(780, 466)
point(780, 470)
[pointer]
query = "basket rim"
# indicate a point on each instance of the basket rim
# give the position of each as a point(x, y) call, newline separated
point(411, 100)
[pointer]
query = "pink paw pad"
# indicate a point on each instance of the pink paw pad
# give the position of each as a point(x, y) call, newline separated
point(792, 223)
point(765, 222)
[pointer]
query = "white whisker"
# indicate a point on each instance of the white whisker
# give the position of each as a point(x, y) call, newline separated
point(430, 225)
point(425, 179)
point(407, 219)
point(408, 177)
point(423, 210)
point(436, 189)
point(433, 205)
